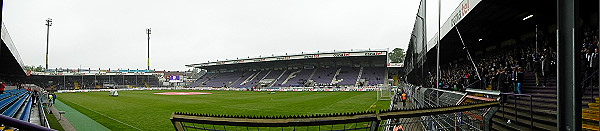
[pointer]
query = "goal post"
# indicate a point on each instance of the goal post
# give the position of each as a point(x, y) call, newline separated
point(384, 93)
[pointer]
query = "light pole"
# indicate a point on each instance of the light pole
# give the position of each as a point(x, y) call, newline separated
point(48, 24)
point(148, 31)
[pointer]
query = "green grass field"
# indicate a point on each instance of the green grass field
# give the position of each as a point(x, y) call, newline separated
point(147, 111)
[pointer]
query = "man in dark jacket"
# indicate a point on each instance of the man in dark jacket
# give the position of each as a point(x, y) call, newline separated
point(537, 68)
point(546, 68)
point(519, 79)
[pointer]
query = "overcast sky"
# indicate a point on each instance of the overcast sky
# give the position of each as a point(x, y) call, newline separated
point(111, 33)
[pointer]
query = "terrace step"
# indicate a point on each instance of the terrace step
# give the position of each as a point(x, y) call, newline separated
point(589, 127)
point(535, 104)
point(526, 123)
point(545, 119)
point(522, 108)
point(512, 126)
point(498, 127)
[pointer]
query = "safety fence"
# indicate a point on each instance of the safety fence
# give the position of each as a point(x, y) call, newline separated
point(368, 120)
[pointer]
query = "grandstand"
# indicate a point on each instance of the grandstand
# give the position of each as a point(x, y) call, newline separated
point(498, 70)
point(345, 68)
point(495, 45)
point(86, 80)
point(20, 104)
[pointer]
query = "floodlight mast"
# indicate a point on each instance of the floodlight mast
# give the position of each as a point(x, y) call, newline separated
point(48, 24)
point(148, 31)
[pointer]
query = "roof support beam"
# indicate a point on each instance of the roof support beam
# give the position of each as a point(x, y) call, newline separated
point(569, 102)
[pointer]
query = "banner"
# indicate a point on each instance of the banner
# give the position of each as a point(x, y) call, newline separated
point(229, 89)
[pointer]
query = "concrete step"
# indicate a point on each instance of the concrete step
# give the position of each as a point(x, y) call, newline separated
point(538, 88)
point(588, 92)
point(589, 127)
point(588, 99)
point(535, 104)
point(593, 104)
point(594, 107)
point(537, 111)
point(541, 79)
point(545, 119)
point(512, 126)
point(584, 104)
point(527, 122)
point(534, 99)
point(590, 116)
point(499, 127)
point(543, 95)
point(529, 91)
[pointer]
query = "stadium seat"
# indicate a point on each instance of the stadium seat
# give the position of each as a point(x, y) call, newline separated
point(26, 110)
point(14, 108)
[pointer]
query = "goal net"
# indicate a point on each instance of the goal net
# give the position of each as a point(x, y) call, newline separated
point(384, 93)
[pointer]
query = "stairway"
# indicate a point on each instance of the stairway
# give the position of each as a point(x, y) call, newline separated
point(590, 117)
point(588, 94)
point(335, 80)
point(280, 75)
point(543, 103)
point(359, 75)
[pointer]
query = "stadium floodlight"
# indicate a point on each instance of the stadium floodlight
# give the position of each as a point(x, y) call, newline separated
point(148, 31)
point(48, 24)
point(527, 17)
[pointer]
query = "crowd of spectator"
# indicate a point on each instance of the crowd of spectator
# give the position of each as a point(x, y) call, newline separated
point(589, 56)
point(500, 69)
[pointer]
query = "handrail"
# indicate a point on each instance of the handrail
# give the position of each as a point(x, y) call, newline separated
point(585, 87)
point(587, 78)
point(320, 119)
point(478, 81)
point(515, 108)
point(41, 111)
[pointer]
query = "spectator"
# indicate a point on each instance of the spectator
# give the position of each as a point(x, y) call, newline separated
point(519, 79)
point(404, 97)
point(53, 98)
point(546, 67)
point(537, 68)
point(589, 66)
point(2, 87)
point(50, 99)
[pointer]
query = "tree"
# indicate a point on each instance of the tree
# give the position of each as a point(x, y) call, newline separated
point(34, 69)
point(397, 55)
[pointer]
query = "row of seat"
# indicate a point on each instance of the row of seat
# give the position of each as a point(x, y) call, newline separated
point(9, 93)
point(12, 101)
point(291, 77)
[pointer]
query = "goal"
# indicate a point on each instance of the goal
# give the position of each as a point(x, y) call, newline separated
point(384, 93)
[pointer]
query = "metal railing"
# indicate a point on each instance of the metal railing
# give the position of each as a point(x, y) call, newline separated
point(584, 87)
point(466, 120)
point(331, 122)
point(505, 95)
point(22, 125)
point(41, 111)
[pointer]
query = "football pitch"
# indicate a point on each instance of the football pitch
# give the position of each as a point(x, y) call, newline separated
point(147, 111)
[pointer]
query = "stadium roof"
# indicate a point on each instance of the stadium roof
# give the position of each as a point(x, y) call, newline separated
point(11, 65)
point(490, 22)
point(300, 58)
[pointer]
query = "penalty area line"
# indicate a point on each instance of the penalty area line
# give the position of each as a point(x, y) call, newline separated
point(106, 116)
